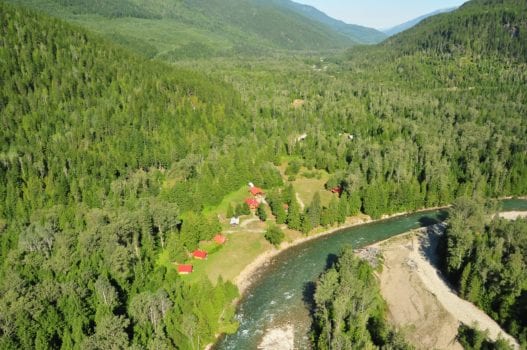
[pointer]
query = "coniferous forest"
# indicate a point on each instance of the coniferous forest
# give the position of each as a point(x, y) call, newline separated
point(485, 260)
point(113, 151)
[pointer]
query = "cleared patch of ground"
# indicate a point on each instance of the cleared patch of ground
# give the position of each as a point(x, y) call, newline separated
point(306, 189)
point(421, 303)
point(412, 307)
point(513, 215)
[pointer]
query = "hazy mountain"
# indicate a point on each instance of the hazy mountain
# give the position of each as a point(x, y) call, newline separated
point(407, 25)
point(360, 34)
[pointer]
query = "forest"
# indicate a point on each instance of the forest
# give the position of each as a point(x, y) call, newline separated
point(109, 158)
point(485, 258)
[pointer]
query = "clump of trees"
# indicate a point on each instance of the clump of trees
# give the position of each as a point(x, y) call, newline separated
point(474, 339)
point(349, 310)
point(485, 259)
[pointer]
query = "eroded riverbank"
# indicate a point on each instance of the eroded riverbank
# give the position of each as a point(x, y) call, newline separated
point(281, 288)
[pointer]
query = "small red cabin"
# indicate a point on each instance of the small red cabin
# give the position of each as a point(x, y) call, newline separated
point(220, 239)
point(184, 269)
point(337, 190)
point(199, 254)
point(252, 203)
point(256, 191)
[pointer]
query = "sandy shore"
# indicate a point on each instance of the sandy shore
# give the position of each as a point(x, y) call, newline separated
point(246, 276)
point(513, 215)
point(419, 300)
point(412, 308)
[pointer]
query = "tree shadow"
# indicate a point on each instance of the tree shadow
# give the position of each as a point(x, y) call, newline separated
point(331, 260)
point(308, 296)
point(433, 220)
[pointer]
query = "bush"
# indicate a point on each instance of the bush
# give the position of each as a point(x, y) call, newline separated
point(274, 235)
point(293, 167)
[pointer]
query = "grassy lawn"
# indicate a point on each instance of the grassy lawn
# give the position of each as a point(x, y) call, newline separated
point(239, 251)
point(306, 188)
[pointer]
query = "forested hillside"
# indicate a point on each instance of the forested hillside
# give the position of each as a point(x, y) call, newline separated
point(174, 30)
point(88, 133)
point(108, 160)
point(359, 34)
point(479, 27)
point(407, 25)
point(485, 258)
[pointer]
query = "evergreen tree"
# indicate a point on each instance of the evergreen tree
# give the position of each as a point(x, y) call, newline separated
point(306, 225)
point(314, 210)
point(261, 213)
point(293, 216)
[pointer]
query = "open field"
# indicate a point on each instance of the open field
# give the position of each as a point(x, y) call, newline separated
point(306, 189)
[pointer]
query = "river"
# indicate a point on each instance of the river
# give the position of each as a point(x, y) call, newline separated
point(278, 295)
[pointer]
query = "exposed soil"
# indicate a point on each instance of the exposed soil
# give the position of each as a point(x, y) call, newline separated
point(420, 302)
point(512, 215)
point(412, 307)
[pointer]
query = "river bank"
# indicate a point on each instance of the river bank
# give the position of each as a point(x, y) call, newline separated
point(274, 289)
point(246, 277)
point(420, 302)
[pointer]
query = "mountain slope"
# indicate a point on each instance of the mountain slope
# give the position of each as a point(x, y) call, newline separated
point(407, 25)
point(360, 34)
point(87, 131)
point(198, 28)
point(480, 27)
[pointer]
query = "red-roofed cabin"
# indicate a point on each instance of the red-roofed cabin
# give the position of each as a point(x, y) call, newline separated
point(199, 254)
point(184, 269)
point(252, 203)
point(337, 189)
point(220, 239)
point(256, 191)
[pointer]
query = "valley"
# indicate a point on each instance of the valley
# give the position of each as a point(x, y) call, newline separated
point(133, 133)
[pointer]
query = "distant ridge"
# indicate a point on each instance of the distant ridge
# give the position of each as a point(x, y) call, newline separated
point(407, 25)
point(359, 34)
point(174, 30)
point(493, 28)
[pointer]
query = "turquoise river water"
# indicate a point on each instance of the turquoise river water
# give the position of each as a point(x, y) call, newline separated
point(278, 295)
